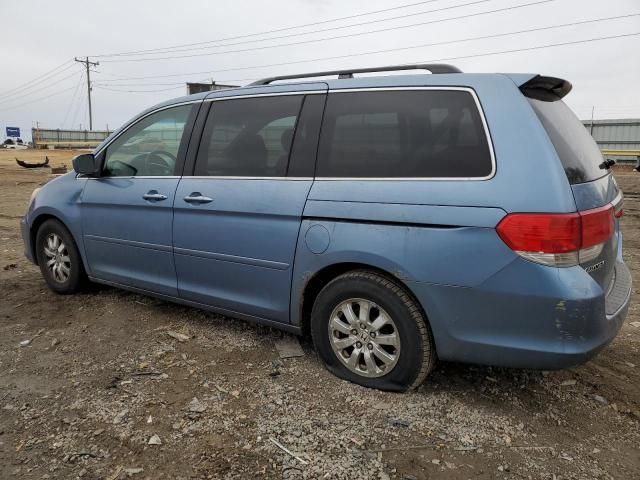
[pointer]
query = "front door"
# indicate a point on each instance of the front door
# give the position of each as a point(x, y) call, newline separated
point(237, 219)
point(127, 212)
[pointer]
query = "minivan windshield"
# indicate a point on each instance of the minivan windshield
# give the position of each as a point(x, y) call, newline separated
point(578, 152)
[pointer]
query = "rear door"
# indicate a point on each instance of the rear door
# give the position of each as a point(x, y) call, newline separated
point(236, 220)
point(593, 185)
point(127, 212)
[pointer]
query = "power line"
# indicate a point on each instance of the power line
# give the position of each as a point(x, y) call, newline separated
point(175, 87)
point(538, 47)
point(31, 92)
point(340, 27)
point(388, 50)
point(36, 100)
point(78, 109)
point(182, 85)
point(266, 32)
point(500, 52)
point(73, 99)
point(369, 32)
point(39, 79)
point(102, 84)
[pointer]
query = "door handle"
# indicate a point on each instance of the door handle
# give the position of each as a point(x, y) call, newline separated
point(197, 197)
point(154, 196)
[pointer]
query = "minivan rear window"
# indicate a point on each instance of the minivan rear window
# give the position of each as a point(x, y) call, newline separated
point(578, 152)
point(403, 134)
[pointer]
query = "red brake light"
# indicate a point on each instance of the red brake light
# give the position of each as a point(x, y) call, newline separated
point(597, 226)
point(541, 233)
point(559, 239)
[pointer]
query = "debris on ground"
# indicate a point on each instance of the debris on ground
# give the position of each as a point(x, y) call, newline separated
point(285, 449)
point(195, 406)
point(120, 416)
point(181, 337)
point(289, 347)
point(133, 471)
point(24, 164)
point(59, 170)
point(398, 422)
point(600, 399)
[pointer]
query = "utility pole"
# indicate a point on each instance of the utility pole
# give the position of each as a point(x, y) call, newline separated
point(87, 64)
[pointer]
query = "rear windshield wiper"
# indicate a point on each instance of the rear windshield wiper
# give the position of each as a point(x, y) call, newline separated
point(607, 164)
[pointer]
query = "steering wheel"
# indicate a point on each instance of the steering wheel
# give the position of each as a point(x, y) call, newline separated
point(157, 161)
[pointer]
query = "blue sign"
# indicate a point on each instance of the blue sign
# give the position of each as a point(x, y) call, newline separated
point(13, 132)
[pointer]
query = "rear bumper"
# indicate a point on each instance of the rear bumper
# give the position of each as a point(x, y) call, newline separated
point(26, 240)
point(526, 316)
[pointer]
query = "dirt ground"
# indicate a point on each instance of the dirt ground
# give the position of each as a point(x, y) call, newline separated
point(101, 377)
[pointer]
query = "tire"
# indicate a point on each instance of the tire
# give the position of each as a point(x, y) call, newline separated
point(69, 276)
point(372, 297)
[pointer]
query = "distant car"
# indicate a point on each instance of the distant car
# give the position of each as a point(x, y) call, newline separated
point(14, 144)
point(398, 219)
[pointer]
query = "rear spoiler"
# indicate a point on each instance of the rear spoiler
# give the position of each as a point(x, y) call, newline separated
point(547, 89)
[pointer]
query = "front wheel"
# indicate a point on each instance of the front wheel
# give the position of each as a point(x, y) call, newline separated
point(367, 329)
point(58, 258)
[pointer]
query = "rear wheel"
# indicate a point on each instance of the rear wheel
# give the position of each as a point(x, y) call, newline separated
point(58, 258)
point(367, 329)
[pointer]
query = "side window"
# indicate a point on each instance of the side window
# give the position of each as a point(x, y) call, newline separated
point(302, 161)
point(403, 134)
point(248, 137)
point(150, 147)
point(277, 137)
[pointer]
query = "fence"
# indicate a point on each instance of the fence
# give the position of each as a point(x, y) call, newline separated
point(50, 138)
point(618, 139)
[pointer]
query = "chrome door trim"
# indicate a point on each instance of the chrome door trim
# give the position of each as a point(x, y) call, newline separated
point(221, 177)
point(224, 257)
point(203, 177)
point(168, 177)
point(130, 243)
point(268, 94)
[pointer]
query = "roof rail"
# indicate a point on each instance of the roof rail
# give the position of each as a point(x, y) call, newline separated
point(431, 67)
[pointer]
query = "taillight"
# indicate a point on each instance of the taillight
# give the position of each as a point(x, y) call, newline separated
point(558, 239)
point(618, 204)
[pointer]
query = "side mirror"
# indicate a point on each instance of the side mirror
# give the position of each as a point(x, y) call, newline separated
point(85, 164)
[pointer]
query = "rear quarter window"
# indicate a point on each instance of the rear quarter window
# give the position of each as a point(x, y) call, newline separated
point(578, 152)
point(404, 134)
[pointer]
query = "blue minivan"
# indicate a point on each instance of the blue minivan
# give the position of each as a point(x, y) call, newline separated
point(397, 219)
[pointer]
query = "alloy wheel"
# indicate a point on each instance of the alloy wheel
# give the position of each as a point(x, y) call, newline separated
point(364, 337)
point(58, 260)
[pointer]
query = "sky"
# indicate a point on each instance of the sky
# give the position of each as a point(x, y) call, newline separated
point(40, 84)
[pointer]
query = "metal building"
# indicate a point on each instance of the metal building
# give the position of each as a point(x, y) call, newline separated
point(206, 87)
point(618, 139)
point(56, 138)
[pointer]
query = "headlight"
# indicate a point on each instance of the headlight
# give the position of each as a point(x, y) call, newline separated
point(33, 195)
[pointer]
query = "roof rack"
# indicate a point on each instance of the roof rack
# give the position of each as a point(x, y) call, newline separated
point(431, 67)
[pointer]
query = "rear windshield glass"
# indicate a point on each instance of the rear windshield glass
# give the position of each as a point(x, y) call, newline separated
point(577, 150)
